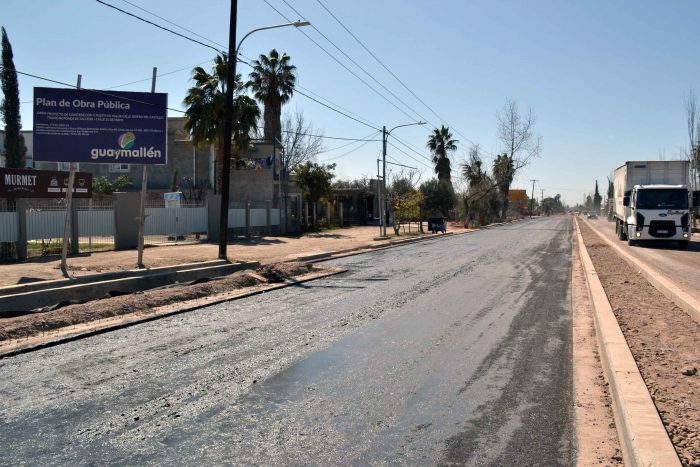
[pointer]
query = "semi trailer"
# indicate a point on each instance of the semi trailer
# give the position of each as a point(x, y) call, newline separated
point(652, 202)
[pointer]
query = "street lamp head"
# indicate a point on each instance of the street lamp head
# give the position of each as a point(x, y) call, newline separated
point(421, 123)
point(300, 24)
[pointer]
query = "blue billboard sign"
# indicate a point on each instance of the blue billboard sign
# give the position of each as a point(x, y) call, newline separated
point(103, 127)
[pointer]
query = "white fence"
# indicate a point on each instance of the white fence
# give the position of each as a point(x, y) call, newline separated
point(96, 223)
point(188, 222)
point(97, 230)
point(45, 224)
point(8, 226)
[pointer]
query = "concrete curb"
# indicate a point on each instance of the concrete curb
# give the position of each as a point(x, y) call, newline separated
point(198, 304)
point(664, 285)
point(22, 302)
point(105, 276)
point(643, 438)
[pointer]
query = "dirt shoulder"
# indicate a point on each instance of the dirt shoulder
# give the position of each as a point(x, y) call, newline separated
point(596, 437)
point(663, 341)
point(36, 328)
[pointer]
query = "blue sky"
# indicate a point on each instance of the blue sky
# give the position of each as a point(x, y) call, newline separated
point(606, 80)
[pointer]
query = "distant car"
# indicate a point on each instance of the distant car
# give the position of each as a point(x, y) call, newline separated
point(593, 215)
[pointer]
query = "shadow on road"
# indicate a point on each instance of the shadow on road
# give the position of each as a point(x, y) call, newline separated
point(257, 241)
point(328, 235)
point(657, 245)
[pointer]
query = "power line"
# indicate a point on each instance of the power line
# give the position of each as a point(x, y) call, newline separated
point(408, 155)
point(328, 101)
point(401, 165)
point(395, 77)
point(341, 63)
point(378, 60)
point(96, 91)
point(348, 152)
point(357, 64)
point(137, 81)
point(158, 76)
point(407, 146)
point(175, 24)
point(352, 140)
point(335, 104)
point(159, 26)
point(371, 135)
point(325, 105)
point(336, 110)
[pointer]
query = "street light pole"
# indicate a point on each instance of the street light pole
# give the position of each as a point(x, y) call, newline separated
point(383, 195)
point(228, 117)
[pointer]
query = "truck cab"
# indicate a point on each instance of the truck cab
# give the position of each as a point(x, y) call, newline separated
point(657, 212)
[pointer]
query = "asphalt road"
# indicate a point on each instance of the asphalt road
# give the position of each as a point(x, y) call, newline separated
point(681, 266)
point(451, 351)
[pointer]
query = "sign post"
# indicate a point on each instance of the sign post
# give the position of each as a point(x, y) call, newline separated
point(144, 190)
point(69, 208)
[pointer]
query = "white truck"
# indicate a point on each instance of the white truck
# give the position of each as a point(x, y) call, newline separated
point(652, 202)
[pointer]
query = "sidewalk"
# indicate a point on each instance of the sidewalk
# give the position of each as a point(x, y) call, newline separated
point(265, 250)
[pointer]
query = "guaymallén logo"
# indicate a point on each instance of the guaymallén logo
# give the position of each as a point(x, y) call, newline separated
point(127, 140)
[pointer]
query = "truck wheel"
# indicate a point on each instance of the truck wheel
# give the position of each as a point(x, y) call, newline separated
point(631, 242)
point(683, 245)
point(621, 231)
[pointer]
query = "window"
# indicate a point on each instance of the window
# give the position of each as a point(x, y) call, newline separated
point(65, 166)
point(120, 168)
point(662, 199)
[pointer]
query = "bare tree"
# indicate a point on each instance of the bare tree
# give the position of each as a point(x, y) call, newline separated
point(300, 140)
point(520, 143)
point(692, 109)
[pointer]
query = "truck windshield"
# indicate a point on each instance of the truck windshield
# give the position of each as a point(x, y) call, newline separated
point(662, 199)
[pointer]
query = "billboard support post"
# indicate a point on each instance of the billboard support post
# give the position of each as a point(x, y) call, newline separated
point(69, 208)
point(144, 190)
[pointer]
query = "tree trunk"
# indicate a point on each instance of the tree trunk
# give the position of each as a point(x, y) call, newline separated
point(272, 117)
point(313, 214)
point(506, 202)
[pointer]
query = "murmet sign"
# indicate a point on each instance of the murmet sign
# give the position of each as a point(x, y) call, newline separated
point(83, 125)
point(26, 183)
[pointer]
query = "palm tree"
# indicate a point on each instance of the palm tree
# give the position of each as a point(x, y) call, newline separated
point(272, 81)
point(473, 172)
point(205, 113)
point(440, 142)
point(504, 172)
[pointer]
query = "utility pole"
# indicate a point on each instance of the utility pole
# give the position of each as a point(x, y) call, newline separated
point(228, 130)
point(532, 197)
point(379, 197)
